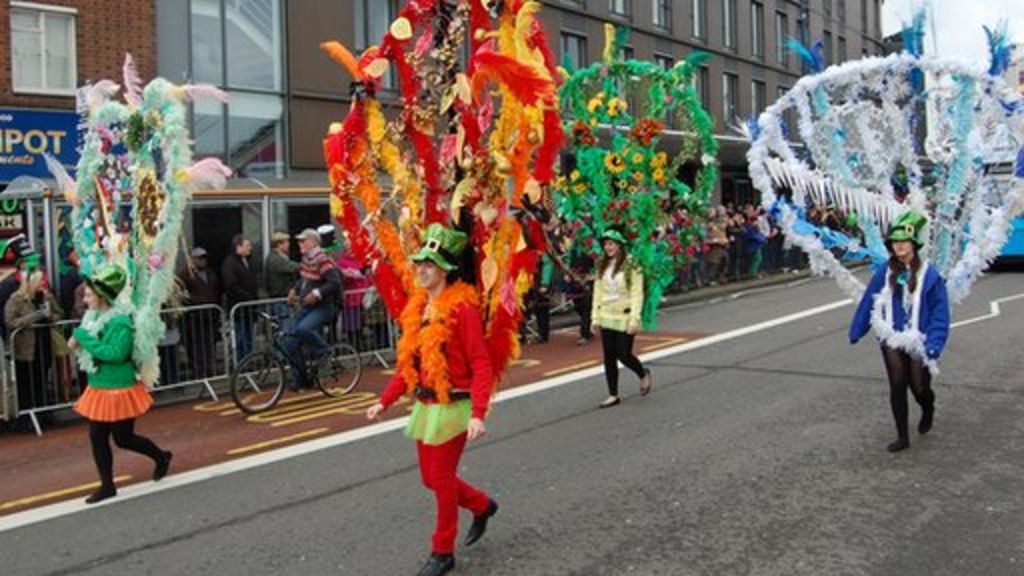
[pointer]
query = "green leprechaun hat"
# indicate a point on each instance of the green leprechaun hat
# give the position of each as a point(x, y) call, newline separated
point(613, 234)
point(108, 282)
point(908, 227)
point(442, 246)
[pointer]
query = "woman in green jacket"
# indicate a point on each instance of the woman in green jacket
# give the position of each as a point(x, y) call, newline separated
point(114, 397)
point(618, 303)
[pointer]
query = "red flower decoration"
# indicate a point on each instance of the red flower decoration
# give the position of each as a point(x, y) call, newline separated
point(582, 134)
point(645, 131)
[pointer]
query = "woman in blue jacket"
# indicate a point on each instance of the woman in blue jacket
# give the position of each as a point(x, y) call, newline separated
point(907, 306)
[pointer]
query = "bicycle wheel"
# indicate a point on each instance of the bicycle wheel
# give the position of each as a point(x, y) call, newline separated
point(257, 382)
point(339, 373)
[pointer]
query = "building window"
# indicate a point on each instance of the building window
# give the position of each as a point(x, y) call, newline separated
point(248, 134)
point(621, 7)
point(574, 48)
point(730, 98)
point(729, 23)
point(841, 4)
point(662, 14)
point(801, 30)
point(787, 116)
point(864, 16)
point(828, 48)
point(841, 57)
point(827, 6)
point(576, 3)
point(376, 17)
point(664, 61)
point(757, 29)
point(700, 86)
point(781, 36)
point(43, 55)
point(699, 16)
point(878, 19)
point(757, 98)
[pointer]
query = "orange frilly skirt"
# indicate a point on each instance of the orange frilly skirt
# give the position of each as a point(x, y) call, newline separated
point(113, 405)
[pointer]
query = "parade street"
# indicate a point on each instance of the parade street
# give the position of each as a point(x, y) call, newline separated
point(759, 452)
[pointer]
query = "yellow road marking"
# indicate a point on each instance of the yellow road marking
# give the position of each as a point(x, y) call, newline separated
point(283, 402)
point(579, 366)
point(319, 405)
point(525, 362)
point(276, 441)
point(348, 408)
point(57, 494)
point(664, 344)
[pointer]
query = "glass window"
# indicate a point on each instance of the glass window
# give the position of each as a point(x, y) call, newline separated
point(666, 62)
point(781, 35)
point(208, 128)
point(757, 97)
point(254, 44)
point(827, 6)
point(841, 57)
point(699, 17)
point(43, 57)
point(662, 13)
point(700, 85)
point(207, 42)
point(621, 7)
point(730, 98)
point(255, 135)
point(729, 23)
point(878, 19)
point(828, 47)
point(574, 47)
point(757, 29)
point(841, 4)
point(864, 16)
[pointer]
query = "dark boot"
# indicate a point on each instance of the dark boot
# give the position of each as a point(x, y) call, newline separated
point(927, 413)
point(898, 445)
point(162, 465)
point(476, 531)
point(105, 491)
point(437, 565)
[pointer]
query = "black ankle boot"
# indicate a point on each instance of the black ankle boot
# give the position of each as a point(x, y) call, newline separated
point(437, 565)
point(899, 444)
point(104, 492)
point(927, 412)
point(476, 531)
point(163, 465)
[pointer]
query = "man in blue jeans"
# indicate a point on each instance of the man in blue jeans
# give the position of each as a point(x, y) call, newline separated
point(315, 294)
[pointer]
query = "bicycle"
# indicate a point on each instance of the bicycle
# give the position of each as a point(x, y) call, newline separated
point(258, 381)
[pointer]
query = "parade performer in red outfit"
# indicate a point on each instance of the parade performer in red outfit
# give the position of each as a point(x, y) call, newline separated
point(443, 361)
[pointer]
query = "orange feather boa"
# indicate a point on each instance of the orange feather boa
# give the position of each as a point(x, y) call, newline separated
point(427, 342)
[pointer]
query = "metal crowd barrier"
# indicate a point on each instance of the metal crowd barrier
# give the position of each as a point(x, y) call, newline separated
point(360, 320)
point(50, 380)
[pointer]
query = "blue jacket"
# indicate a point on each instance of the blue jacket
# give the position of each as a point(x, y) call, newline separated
point(933, 319)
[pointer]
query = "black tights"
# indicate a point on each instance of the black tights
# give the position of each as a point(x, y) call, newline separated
point(905, 371)
point(125, 437)
point(618, 346)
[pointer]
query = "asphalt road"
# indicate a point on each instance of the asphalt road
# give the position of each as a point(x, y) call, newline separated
point(761, 455)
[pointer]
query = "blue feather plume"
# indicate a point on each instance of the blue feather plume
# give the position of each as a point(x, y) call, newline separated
point(814, 57)
point(913, 34)
point(1000, 49)
point(1019, 172)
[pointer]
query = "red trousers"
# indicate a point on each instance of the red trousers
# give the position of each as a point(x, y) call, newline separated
point(439, 467)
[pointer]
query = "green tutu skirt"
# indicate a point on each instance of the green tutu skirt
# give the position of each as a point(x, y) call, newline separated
point(435, 424)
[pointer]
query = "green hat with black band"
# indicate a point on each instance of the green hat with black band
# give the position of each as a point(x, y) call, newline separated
point(108, 282)
point(613, 234)
point(908, 227)
point(442, 246)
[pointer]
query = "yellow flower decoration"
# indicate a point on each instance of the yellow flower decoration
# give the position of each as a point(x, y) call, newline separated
point(614, 163)
point(659, 175)
point(638, 176)
point(616, 105)
point(574, 175)
point(622, 184)
point(580, 188)
point(660, 160)
point(638, 158)
point(596, 103)
point(633, 189)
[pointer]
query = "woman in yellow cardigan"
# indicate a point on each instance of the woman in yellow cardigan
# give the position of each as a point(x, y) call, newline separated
point(618, 303)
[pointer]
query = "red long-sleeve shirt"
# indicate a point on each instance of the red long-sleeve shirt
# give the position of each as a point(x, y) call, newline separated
point(469, 364)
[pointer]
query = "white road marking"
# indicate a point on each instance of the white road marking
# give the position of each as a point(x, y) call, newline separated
point(52, 511)
point(994, 311)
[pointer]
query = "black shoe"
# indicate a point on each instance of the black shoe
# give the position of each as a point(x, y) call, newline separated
point(609, 402)
point(925, 424)
point(102, 494)
point(898, 445)
point(476, 531)
point(645, 390)
point(437, 565)
point(162, 465)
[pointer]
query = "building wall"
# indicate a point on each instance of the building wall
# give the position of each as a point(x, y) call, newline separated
point(104, 31)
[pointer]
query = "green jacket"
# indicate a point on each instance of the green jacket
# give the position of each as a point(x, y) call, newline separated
point(112, 353)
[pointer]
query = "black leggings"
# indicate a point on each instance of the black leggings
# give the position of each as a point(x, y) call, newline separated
point(618, 346)
point(125, 437)
point(905, 371)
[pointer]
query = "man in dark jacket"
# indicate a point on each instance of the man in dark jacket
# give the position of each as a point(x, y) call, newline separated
point(201, 329)
point(281, 271)
point(240, 275)
point(316, 293)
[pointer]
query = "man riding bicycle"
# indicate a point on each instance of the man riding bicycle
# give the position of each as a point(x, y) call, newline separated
point(315, 294)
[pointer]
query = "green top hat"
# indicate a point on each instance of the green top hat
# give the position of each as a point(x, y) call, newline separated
point(108, 282)
point(908, 227)
point(442, 246)
point(612, 234)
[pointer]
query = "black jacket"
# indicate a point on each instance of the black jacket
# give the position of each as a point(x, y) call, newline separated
point(241, 280)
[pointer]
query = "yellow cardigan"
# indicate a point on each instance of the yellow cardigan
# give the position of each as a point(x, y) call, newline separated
point(618, 304)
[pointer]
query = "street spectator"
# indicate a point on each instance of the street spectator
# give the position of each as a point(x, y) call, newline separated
point(241, 277)
point(69, 288)
point(753, 242)
point(734, 231)
point(281, 272)
point(316, 295)
point(201, 329)
point(717, 258)
point(579, 288)
point(355, 285)
point(32, 303)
